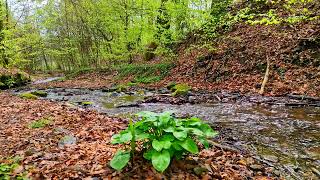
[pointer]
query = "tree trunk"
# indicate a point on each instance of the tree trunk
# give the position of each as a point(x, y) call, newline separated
point(266, 77)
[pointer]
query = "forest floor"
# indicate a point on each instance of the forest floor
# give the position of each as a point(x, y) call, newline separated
point(76, 144)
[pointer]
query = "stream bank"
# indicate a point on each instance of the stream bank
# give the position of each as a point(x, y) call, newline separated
point(282, 132)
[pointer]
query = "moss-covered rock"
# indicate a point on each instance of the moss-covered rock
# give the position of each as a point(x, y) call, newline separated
point(40, 93)
point(86, 103)
point(171, 85)
point(181, 90)
point(28, 96)
point(12, 78)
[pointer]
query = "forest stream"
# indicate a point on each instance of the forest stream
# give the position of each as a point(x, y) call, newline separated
point(286, 138)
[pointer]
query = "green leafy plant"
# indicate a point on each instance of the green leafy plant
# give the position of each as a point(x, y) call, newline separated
point(7, 167)
point(163, 137)
point(41, 123)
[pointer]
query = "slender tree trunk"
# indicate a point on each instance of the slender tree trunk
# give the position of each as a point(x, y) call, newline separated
point(266, 77)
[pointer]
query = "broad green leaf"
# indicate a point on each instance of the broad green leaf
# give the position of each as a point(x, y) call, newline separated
point(157, 145)
point(126, 137)
point(208, 131)
point(189, 145)
point(148, 116)
point(116, 139)
point(176, 146)
point(165, 117)
point(161, 160)
point(141, 136)
point(167, 137)
point(169, 129)
point(166, 144)
point(204, 142)
point(120, 160)
point(181, 135)
point(196, 131)
point(148, 154)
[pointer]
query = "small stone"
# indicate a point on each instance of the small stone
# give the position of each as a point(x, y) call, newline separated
point(256, 167)
point(200, 170)
point(271, 158)
point(67, 140)
point(277, 172)
point(192, 98)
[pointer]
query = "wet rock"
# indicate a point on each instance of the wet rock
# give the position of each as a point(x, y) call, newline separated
point(113, 94)
point(129, 104)
point(67, 140)
point(256, 167)
point(313, 152)
point(271, 158)
point(192, 98)
point(164, 91)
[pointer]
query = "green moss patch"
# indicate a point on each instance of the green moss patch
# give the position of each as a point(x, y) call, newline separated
point(86, 103)
point(181, 90)
point(28, 96)
point(40, 93)
point(41, 123)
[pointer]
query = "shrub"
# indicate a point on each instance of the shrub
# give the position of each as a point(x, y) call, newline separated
point(163, 137)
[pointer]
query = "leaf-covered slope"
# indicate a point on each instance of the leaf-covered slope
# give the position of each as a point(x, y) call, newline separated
point(236, 60)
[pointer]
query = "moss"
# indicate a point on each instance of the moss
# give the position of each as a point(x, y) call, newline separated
point(28, 96)
point(41, 123)
point(148, 80)
point(181, 90)
point(171, 85)
point(12, 78)
point(121, 88)
point(40, 93)
point(62, 79)
point(86, 103)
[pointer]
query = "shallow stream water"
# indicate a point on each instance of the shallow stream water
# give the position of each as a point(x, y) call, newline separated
point(287, 138)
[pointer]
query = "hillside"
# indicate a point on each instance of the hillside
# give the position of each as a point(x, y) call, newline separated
point(238, 61)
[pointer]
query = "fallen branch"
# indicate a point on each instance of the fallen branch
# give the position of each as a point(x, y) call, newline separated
point(266, 77)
